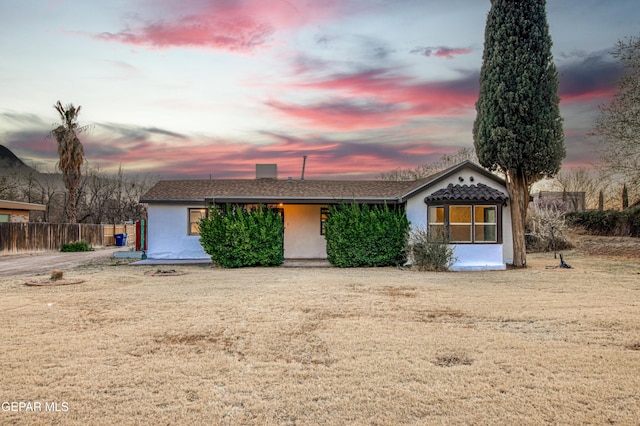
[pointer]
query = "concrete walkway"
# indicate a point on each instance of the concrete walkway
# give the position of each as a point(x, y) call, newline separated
point(288, 263)
point(203, 262)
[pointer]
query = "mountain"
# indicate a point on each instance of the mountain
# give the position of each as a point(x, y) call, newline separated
point(9, 162)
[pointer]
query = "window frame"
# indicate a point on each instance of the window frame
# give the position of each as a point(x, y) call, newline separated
point(324, 216)
point(473, 205)
point(190, 223)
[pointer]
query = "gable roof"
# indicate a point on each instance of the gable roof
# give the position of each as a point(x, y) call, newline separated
point(478, 191)
point(295, 191)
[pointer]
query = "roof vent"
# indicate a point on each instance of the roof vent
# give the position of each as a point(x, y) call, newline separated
point(266, 171)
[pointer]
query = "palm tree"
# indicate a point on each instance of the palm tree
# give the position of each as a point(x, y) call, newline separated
point(70, 152)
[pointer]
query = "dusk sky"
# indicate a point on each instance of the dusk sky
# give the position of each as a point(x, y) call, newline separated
point(193, 88)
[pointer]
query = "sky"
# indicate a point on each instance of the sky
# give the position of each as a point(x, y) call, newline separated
point(209, 88)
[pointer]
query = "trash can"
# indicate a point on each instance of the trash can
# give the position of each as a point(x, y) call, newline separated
point(121, 239)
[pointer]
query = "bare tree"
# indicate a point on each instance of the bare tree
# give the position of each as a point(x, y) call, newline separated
point(618, 125)
point(112, 198)
point(444, 162)
point(580, 179)
point(546, 223)
point(8, 187)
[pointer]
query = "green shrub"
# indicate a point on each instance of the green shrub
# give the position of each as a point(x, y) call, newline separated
point(430, 251)
point(77, 246)
point(597, 222)
point(631, 220)
point(361, 235)
point(235, 237)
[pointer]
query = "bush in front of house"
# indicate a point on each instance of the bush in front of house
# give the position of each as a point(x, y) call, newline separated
point(362, 235)
point(76, 247)
point(430, 251)
point(235, 237)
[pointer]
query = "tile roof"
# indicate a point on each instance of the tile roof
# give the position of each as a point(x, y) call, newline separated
point(478, 191)
point(264, 190)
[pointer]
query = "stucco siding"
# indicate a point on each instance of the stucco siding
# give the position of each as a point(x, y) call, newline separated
point(417, 215)
point(302, 239)
point(478, 257)
point(168, 233)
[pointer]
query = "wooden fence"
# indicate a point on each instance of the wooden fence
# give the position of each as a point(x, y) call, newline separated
point(111, 230)
point(34, 237)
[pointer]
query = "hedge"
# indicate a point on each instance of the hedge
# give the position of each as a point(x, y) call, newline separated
point(361, 235)
point(608, 222)
point(235, 237)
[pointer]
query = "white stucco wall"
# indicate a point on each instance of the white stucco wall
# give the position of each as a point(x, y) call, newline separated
point(169, 239)
point(302, 239)
point(168, 236)
point(473, 255)
point(478, 257)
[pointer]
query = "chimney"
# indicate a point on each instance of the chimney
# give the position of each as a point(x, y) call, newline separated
point(266, 171)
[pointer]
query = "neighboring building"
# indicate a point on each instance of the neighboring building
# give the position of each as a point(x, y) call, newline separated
point(466, 199)
point(575, 201)
point(16, 211)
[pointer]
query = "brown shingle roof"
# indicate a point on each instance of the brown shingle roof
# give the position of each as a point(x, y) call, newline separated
point(296, 191)
point(272, 190)
point(467, 192)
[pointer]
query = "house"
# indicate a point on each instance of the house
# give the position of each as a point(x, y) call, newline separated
point(575, 201)
point(16, 211)
point(468, 201)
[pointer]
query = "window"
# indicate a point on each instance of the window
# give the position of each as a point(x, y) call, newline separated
point(194, 218)
point(436, 220)
point(485, 224)
point(4, 218)
point(460, 224)
point(324, 215)
point(465, 223)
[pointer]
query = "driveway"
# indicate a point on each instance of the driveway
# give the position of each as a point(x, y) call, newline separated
point(45, 262)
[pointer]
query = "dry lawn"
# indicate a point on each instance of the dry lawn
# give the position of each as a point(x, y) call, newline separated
point(327, 346)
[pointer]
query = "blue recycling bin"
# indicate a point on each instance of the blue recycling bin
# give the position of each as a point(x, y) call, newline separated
point(121, 239)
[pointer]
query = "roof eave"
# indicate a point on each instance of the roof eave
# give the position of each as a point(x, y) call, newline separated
point(301, 200)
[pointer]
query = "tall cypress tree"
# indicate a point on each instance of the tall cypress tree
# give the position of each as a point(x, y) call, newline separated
point(518, 128)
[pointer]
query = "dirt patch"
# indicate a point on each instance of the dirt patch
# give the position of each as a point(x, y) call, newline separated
point(593, 245)
point(449, 360)
point(164, 273)
point(50, 283)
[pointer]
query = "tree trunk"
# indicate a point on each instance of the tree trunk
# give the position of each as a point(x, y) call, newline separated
point(518, 188)
point(71, 208)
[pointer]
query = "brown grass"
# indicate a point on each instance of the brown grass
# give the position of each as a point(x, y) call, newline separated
point(327, 346)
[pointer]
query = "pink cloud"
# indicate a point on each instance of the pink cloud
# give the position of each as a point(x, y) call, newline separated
point(241, 25)
point(201, 157)
point(377, 99)
point(436, 98)
point(343, 115)
point(594, 97)
point(235, 34)
point(441, 51)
